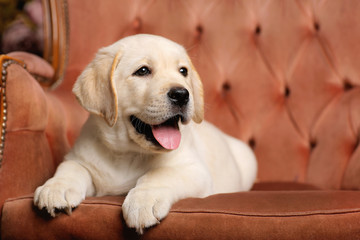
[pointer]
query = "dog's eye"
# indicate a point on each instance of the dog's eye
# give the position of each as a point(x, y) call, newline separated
point(183, 71)
point(143, 71)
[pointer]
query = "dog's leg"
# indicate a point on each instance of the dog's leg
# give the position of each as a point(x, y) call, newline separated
point(65, 191)
point(155, 192)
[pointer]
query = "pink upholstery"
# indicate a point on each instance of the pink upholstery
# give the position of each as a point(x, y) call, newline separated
point(283, 76)
point(274, 73)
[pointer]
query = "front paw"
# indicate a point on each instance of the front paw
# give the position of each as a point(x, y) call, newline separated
point(144, 208)
point(57, 195)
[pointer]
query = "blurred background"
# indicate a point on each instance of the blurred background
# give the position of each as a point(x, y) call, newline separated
point(21, 26)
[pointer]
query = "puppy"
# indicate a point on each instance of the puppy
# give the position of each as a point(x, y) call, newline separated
point(145, 136)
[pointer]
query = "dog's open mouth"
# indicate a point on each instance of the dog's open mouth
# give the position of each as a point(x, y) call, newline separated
point(166, 134)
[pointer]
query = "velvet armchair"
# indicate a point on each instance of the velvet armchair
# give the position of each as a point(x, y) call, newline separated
point(283, 76)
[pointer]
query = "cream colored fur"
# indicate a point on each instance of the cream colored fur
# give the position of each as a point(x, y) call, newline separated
point(111, 158)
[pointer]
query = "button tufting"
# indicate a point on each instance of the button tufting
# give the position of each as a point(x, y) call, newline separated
point(199, 29)
point(316, 26)
point(287, 92)
point(137, 23)
point(347, 85)
point(226, 87)
point(313, 144)
point(357, 143)
point(258, 30)
point(252, 143)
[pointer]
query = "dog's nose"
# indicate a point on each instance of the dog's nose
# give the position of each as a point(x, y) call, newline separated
point(178, 96)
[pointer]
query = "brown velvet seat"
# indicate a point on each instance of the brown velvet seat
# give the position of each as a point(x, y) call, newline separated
point(282, 76)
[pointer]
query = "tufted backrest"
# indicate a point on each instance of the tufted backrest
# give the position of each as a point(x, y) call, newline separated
point(281, 75)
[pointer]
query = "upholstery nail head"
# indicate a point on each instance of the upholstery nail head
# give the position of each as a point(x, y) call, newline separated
point(5, 65)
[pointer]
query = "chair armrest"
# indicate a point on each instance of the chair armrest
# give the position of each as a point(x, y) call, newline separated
point(247, 215)
point(38, 67)
point(34, 122)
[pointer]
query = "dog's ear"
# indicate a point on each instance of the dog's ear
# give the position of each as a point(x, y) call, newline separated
point(198, 94)
point(95, 88)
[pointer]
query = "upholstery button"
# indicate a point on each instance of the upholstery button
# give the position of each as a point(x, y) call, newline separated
point(313, 144)
point(347, 85)
point(137, 23)
point(252, 143)
point(316, 26)
point(287, 92)
point(258, 30)
point(226, 87)
point(199, 29)
point(357, 143)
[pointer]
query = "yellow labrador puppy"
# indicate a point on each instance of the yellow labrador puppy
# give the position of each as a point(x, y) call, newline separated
point(145, 136)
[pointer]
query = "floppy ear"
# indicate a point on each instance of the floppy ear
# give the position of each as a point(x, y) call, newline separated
point(198, 94)
point(95, 88)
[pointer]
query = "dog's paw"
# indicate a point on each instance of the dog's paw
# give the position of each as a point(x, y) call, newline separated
point(57, 195)
point(145, 208)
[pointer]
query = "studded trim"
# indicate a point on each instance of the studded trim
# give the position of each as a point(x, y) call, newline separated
point(5, 61)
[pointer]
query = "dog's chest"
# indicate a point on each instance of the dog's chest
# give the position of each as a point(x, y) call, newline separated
point(119, 174)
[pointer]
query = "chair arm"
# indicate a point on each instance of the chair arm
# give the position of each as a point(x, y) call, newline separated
point(247, 215)
point(34, 135)
point(38, 67)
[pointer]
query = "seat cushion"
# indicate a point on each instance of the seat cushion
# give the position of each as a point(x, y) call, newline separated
point(247, 215)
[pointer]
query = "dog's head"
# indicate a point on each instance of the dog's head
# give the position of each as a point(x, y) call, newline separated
point(149, 84)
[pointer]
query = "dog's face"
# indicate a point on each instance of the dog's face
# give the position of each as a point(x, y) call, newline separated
point(146, 83)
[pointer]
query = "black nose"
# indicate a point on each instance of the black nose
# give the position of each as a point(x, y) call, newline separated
point(178, 96)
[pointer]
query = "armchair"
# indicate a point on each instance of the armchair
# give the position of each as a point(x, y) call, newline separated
point(282, 76)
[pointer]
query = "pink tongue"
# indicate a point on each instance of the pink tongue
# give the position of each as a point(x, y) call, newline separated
point(168, 137)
